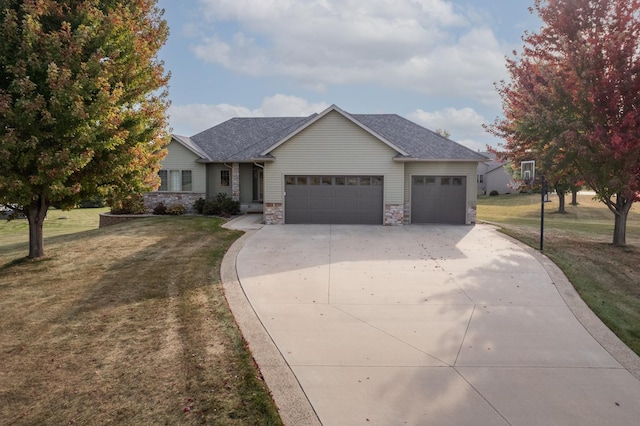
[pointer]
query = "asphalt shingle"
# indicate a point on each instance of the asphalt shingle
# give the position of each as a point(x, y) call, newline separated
point(244, 139)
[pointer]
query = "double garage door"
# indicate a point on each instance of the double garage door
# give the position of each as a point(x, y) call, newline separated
point(360, 199)
point(334, 199)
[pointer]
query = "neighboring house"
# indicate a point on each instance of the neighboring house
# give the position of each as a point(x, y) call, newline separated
point(332, 167)
point(493, 176)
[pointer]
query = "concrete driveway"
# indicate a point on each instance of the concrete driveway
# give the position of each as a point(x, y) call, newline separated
point(423, 325)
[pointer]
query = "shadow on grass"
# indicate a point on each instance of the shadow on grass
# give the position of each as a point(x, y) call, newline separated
point(48, 241)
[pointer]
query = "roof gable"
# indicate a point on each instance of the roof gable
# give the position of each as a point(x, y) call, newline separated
point(318, 117)
point(190, 145)
point(241, 139)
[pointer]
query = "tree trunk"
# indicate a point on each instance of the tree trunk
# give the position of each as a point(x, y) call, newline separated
point(622, 207)
point(574, 197)
point(36, 213)
point(620, 229)
point(561, 203)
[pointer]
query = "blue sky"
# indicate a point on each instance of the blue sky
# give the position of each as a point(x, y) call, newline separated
point(432, 61)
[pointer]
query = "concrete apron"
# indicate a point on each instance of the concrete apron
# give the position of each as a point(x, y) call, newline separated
point(442, 325)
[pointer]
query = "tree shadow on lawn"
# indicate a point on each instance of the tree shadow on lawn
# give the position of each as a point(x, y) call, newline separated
point(49, 243)
point(116, 314)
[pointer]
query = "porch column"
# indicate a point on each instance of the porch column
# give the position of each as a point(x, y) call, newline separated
point(235, 181)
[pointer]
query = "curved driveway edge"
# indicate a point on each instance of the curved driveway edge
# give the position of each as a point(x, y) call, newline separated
point(469, 379)
point(607, 338)
point(293, 406)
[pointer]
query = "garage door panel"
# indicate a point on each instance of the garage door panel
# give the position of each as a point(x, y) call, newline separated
point(438, 199)
point(339, 200)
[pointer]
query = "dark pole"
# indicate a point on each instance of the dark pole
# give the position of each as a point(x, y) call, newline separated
point(543, 192)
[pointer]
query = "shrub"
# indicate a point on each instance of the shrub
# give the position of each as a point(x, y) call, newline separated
point(226, 204)
point(198, 206)
point(210, 208)
point(131, 204)
point(160, 209)
point(176, 209)
point(221, 205)
point(494, 193)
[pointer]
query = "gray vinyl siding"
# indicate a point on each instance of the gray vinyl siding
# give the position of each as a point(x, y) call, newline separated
point(334, 146)
point(180, 158)
point(499, 180)
point(214, 186)
point(468, 169)
point(246, 183)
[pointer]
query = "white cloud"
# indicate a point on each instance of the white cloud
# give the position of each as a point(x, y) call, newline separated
point(426, 46)
point(191, 119)
point(464, 125)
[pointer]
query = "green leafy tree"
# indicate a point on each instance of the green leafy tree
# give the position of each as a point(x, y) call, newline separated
point(443, 132)
point(573, 102)
point(82, 103)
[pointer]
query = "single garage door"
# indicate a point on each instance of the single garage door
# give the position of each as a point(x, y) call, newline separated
point(439, 199)
point(334, 199)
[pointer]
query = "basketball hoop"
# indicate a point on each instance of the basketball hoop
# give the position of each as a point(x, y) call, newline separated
point(528, 171)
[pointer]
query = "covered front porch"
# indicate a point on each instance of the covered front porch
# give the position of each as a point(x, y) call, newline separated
point(241, 181)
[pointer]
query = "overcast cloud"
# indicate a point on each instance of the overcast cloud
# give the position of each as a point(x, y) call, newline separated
point(436, 60)
point(394, 43)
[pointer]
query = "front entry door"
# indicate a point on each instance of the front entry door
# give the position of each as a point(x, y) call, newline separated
point(258, 183)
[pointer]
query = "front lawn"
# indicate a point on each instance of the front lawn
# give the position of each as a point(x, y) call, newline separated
point(123, 325)
point(579, 242)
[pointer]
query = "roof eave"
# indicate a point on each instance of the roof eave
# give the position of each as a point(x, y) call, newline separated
point(178, 138)
point(263, 159)
point(435, 160)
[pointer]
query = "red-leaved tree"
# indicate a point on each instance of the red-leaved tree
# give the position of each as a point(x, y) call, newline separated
point(573, 99)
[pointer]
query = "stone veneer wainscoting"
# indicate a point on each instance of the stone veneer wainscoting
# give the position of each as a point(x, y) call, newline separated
point(151, 199)
point(273, 214)
point(393, 214)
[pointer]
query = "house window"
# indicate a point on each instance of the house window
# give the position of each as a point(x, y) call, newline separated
point(164, 185)
point(225, 177)
point(176, 180)
point(480, 178)
point(187, 183)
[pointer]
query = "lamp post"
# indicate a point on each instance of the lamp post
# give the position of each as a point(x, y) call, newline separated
point(542, 201)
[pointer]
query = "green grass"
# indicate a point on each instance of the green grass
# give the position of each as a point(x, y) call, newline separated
point(126, 325)
point(579, 242)
point(58, 222)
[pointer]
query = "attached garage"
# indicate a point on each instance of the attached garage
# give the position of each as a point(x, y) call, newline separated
point(332, 168)
point(334, 199)
point(438, 199)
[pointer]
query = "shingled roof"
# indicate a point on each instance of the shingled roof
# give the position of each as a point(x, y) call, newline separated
point(248, 139)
